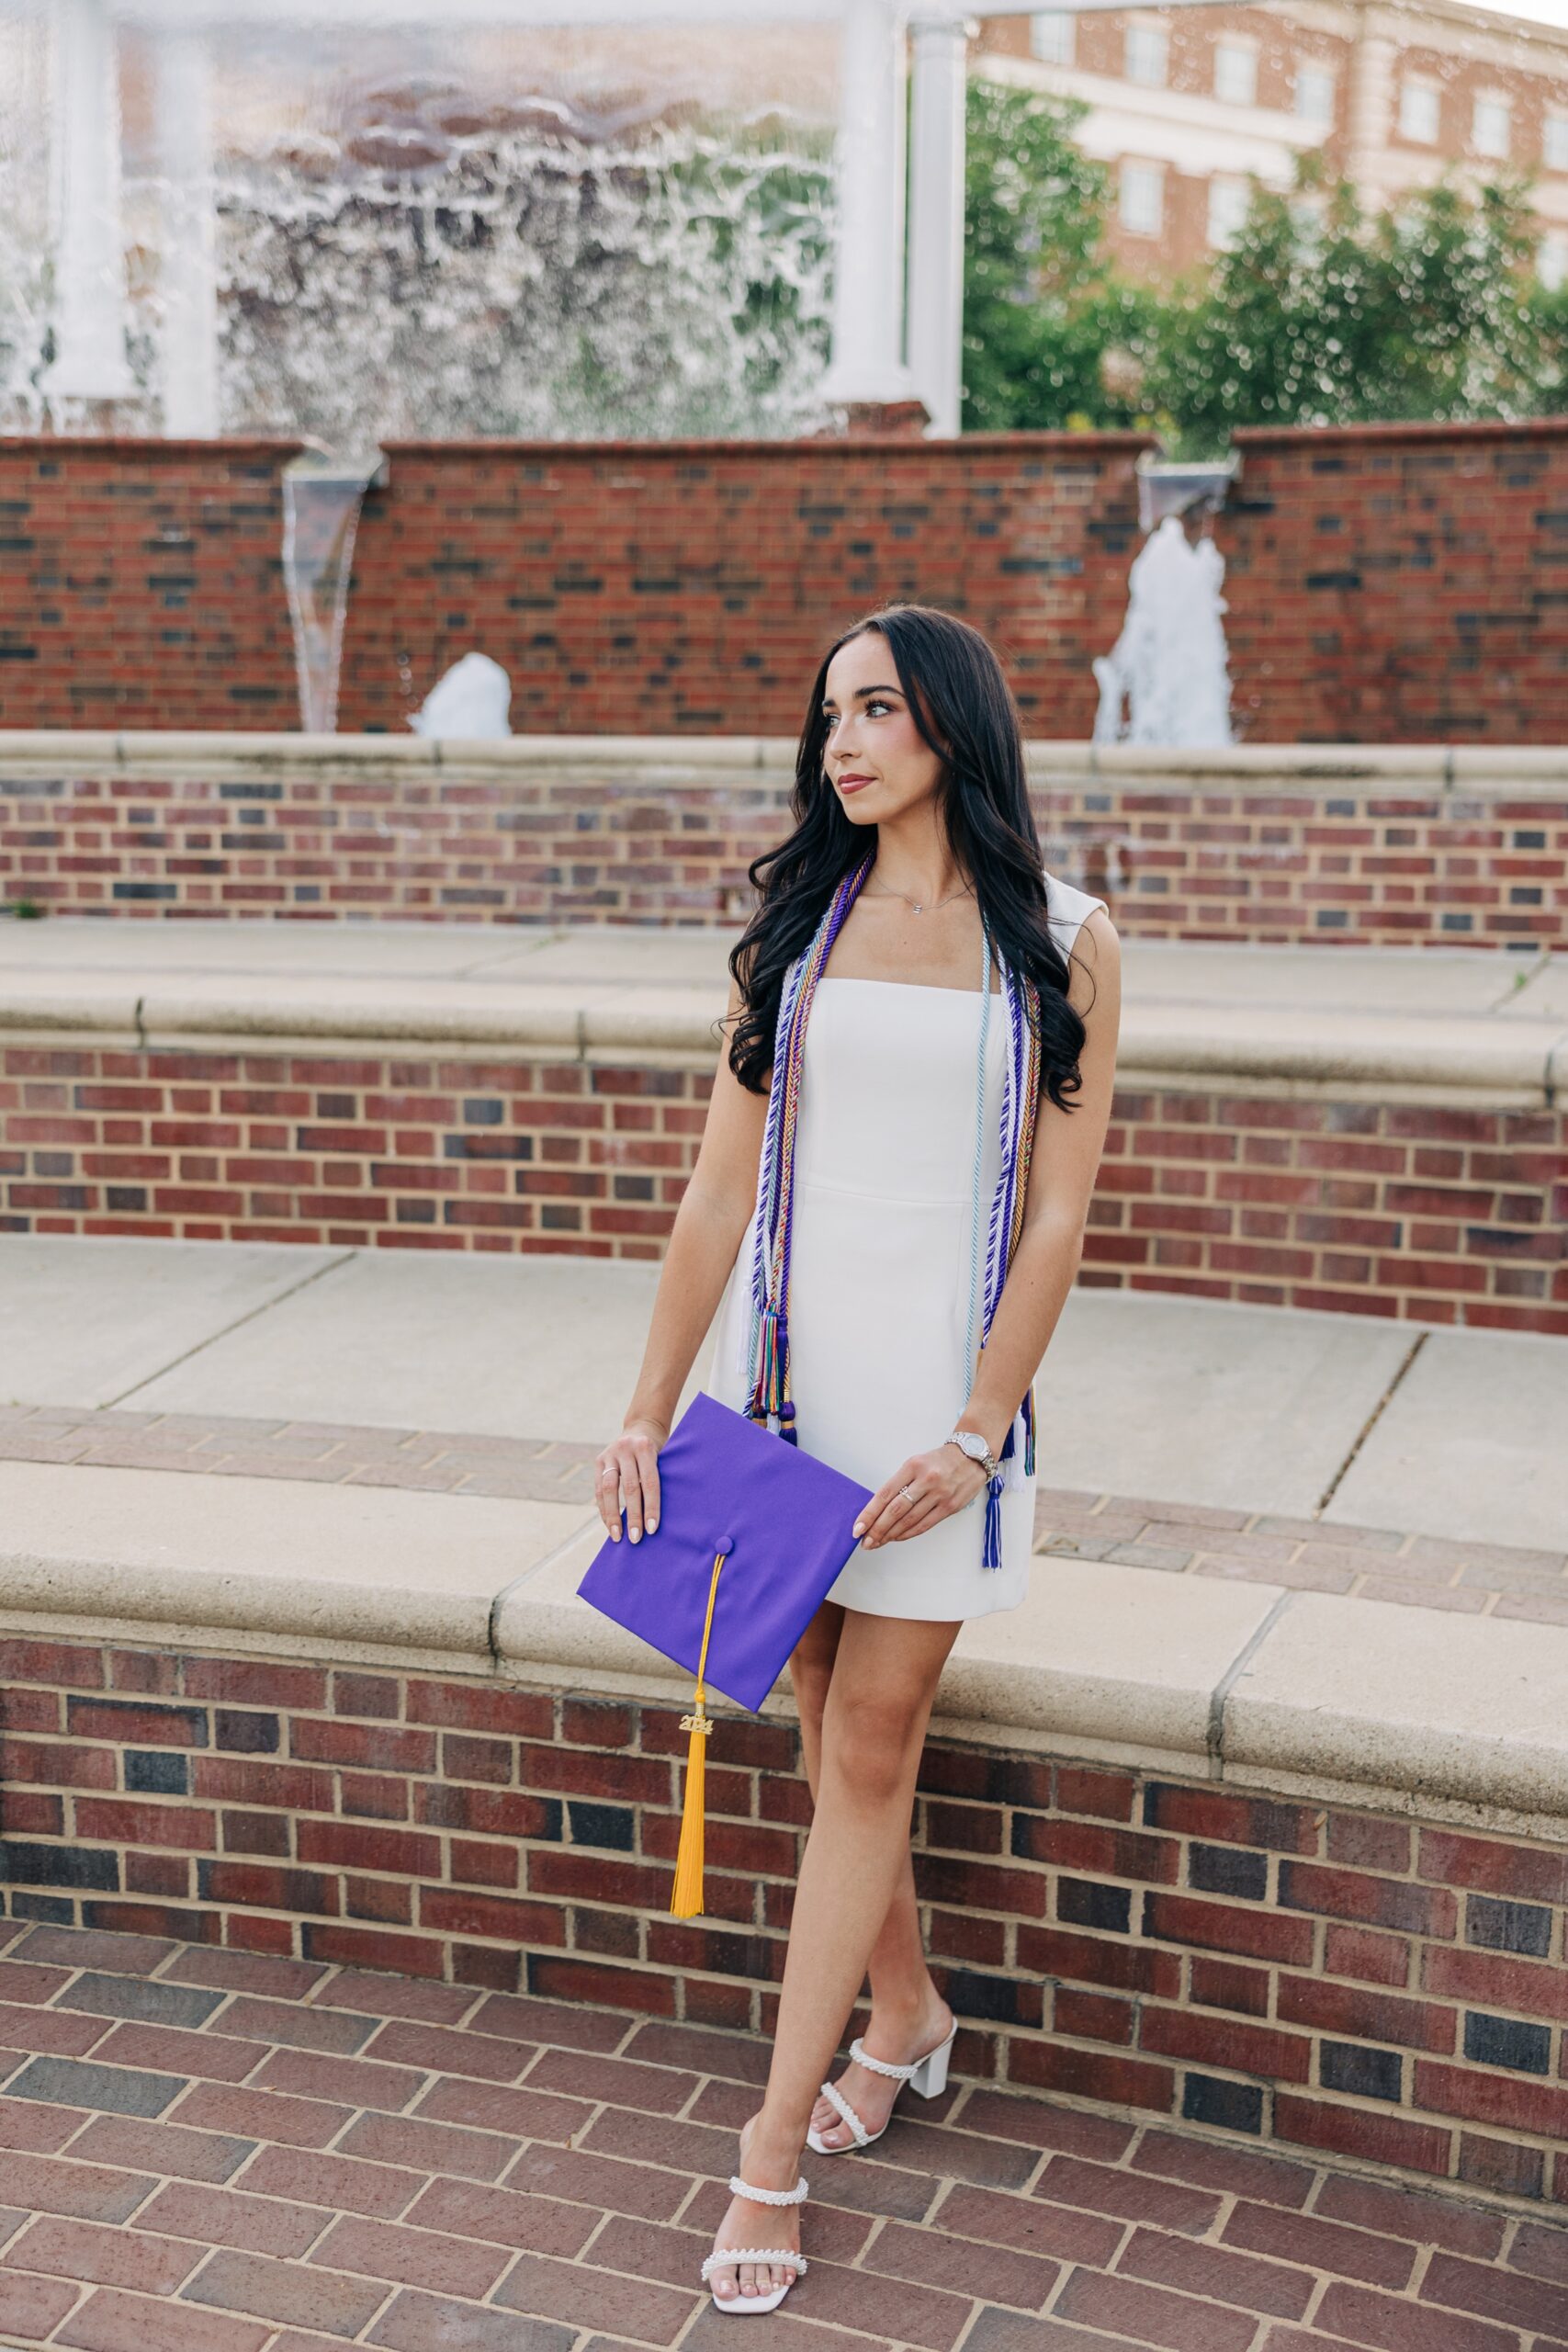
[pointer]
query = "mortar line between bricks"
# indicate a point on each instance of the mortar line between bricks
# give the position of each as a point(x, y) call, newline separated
point(1314, 2301)
point(250, 1315)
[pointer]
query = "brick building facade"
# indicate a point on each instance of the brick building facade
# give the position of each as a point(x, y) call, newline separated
point(1187, 104)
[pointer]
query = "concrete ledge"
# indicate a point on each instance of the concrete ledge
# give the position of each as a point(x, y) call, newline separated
point(1407, 1709)
point(279, 1568)
point(1518, 1062)
point(1476, 772)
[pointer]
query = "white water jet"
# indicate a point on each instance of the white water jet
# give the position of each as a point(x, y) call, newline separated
point(473, 699)
point(1167, 679)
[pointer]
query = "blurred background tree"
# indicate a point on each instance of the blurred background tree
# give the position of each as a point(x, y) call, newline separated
point(1043, 303)
point(1318, 313)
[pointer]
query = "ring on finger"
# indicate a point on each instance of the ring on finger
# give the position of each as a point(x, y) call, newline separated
point(906, 1494)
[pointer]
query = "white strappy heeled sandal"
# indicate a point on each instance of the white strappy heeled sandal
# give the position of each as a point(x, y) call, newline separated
point(730, 2257)
point(927, 2075)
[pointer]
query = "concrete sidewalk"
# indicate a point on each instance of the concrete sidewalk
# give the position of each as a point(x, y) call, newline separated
point(1342, 1418)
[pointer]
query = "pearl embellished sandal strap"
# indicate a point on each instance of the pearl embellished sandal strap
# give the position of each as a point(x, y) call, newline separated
point(832, 2092)
point(796, 2196)
point(881, 2065)
point(727, 2256)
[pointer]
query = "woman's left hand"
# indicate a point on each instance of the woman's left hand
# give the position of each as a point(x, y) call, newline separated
point(939, 1483)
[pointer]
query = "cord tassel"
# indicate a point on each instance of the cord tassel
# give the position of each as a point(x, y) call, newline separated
point(686, 1895)
point(992, 1556)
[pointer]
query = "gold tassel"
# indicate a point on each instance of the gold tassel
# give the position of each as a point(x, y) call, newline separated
point(686, 1896)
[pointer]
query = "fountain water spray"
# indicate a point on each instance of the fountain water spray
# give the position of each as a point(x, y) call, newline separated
point(320, 516)
point(1167, 679)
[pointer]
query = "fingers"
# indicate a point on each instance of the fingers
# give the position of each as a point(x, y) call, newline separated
point(607, 1492)
point(639, 1483)
point(934, 1490)
point(925, 1513)
point(886, 1506)
point(627, 1475)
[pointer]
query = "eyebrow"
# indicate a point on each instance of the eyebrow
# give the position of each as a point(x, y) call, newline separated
point(864, 693)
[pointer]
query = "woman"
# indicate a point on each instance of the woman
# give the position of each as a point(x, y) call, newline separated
point(913, 1333)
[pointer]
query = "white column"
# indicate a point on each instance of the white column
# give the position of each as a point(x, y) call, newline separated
point(1370, 108)
point(937, 129)
point(89, 238)
point(188, 261)
point(867, 362)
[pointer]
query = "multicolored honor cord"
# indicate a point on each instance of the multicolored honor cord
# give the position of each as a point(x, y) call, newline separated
point(768, 1349)
point(767, 1363)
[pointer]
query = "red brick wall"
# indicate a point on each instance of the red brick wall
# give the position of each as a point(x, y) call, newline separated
point(628, 588)
point(655, 588)
point(1385, 584)
point(141, 584)
point(1351, 858)
point(1400, 584)
point(1436, 1214)
point(1326, 1978)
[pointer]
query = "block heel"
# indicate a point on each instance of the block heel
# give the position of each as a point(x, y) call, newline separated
point(929, 2077)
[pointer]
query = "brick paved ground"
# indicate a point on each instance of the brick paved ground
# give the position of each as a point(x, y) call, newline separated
point(1374, 1564)
point(212, 2151)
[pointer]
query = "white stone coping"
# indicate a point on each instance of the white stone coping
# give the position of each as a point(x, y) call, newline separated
point(1438, 1716)
point(1517, 1062)
point(1471, 772)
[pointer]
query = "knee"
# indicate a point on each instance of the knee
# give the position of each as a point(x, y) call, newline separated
point(871, 1740)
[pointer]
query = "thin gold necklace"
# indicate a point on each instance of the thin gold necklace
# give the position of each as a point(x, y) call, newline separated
point(919, 905)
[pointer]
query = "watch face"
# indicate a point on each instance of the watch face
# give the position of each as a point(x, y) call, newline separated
point(973, 1443)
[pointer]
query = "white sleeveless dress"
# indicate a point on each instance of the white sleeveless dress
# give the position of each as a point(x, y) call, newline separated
point(879, 1287)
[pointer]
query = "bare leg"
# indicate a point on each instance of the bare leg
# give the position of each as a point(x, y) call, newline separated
point(908, 2015)
point(874, 1727)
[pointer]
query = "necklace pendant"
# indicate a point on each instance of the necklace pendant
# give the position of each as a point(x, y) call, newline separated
point(916, 904)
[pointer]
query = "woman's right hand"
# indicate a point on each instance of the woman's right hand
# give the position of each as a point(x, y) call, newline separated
point(627, 1471)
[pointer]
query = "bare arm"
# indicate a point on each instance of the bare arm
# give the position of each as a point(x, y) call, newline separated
point(1067, 1145)
point(709, 1225)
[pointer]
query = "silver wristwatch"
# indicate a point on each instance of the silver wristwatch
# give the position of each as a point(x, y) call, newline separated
point(971, 1443)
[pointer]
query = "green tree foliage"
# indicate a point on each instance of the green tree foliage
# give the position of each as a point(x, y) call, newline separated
point(1319, 314)
point(1429, 311)
point(1042, 303)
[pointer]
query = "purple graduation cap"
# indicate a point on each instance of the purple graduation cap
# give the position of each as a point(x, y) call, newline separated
point(751, 1534)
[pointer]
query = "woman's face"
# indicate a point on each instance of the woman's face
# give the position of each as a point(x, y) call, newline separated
point(875, 756)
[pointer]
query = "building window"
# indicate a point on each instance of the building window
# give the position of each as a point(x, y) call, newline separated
point(1148, 55)
point(1554, 143)
point(1314, 93)
point(1051, 37)
point(1141, 193)
point(1235, 72)
point(1491, 123)
point(1552, 260)
point(1229, 200)
point(1419, 103)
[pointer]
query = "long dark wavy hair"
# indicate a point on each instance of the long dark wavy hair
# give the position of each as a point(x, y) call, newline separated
point(964, 711)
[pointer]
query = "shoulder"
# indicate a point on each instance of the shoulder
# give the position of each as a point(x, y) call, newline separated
point(1068, 909)
point(1082, 928)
